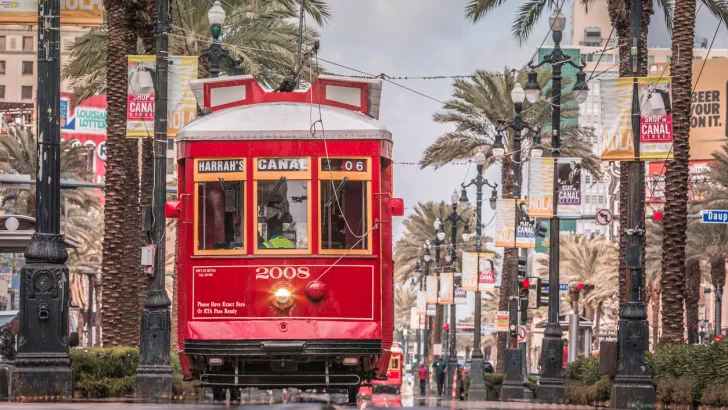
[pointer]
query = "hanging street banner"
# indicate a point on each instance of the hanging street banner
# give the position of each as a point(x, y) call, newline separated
point(616, 104)
point(474, 275)
point(461, 297)
point(181, 105)
point(446, 296)
point(541, 187)
point(655, 118)
point(501, 321)
point(431, 285)
point(414, 320)
point(421, 303)
point(431, 309)
point(526, 229)
point(568, 171)
point(505, 223)
point(85, 13)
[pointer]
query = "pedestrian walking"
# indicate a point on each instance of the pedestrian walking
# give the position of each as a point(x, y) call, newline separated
point(439, 367)
point(422, 375)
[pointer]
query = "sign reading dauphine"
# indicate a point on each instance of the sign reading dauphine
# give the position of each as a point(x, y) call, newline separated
point(73, 12)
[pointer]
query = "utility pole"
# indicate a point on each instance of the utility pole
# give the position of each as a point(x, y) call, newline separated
point(153, 380)
point(633, 386)
point(43, 365)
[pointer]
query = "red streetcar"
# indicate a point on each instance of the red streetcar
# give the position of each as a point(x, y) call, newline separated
point(285, 236)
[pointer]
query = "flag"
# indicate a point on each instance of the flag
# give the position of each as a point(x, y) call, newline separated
point(617, 135)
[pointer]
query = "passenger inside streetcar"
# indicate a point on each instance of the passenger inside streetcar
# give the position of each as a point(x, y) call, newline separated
point(220, 219)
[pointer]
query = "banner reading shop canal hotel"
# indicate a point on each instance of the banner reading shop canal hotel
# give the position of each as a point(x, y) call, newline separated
point(181, 106)
point(655, 118)
point(73, 12)
point(505, 223)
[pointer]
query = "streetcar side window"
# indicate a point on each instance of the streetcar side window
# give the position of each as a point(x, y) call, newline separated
point(219, 206)
point(344, 214)
point(395, 364)
point(345, 219)
point(282, 214)
point(220, 215)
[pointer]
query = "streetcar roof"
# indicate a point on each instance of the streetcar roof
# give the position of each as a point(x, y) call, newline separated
point(283, 120)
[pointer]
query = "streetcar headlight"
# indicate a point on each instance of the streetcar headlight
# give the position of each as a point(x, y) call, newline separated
point(282, 296)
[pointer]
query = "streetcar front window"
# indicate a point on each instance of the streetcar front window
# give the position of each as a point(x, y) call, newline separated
point(343, 208)
point(220, 215)
point(282, 214)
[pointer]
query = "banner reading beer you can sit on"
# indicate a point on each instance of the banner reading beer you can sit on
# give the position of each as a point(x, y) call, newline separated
point(655, 118)
point(181, 105)
point(541, 187)
point(505, 223)
point(568, 172)
point(73, 12)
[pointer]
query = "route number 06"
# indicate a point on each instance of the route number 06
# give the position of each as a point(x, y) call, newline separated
point(354, 165)
point(277, 272)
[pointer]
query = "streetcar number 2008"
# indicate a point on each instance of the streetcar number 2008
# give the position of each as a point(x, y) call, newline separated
point(277, 272)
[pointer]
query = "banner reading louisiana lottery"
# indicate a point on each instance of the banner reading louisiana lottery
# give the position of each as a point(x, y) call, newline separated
point(474, 275)
point(616, 118)
point(431, 294)
point(505, 223)
point(73, 12)
point(446, 290)
point(525, 230)
point(568, 172)
point(541, 187)
point(181, 105)
point(655, 118)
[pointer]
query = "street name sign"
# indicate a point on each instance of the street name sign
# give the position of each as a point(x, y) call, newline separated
point(714, 216)
point(562, 287)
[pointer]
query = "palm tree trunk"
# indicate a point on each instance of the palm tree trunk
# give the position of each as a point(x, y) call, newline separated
point(597, 324)
point(717, 276)
point(509, 261)
point(676, 177)
point(692, 298)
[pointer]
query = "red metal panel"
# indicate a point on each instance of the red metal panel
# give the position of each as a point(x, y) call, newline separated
point(241, 292)
point(271, 330)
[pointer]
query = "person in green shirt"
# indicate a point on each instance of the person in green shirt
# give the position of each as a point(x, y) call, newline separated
point(439, 367)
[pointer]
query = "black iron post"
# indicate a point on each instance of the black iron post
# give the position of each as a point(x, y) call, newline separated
point(439, 240)
point(477, 390)
point(153, 380)
point(633, 386)
point(43, 363)
point(418, 332)
point(551, 384)
point(718, 309)
point(452, 361)
point(215, 51)
point(514, 386)
point(426, 330)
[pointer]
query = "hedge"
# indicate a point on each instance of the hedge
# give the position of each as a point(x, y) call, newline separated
point(109, 372)
point(493, 383)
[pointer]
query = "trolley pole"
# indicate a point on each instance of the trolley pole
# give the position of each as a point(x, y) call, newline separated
point(633, 385)
point(153, 380)
point(43, 363)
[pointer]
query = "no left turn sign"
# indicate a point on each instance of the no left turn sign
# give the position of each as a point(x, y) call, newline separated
point(604, 217)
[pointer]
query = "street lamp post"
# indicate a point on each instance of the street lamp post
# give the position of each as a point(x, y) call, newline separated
point(418, 332)
point(514, 385)
point(453, 218)
point(477, 391)
point(439, 240)
point(551, 384)
point(216, 52)
point(43, 363)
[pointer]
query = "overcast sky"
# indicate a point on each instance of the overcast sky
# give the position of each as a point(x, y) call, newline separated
point(431, 37)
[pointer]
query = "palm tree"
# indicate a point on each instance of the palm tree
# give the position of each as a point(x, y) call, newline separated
point(478, 106)
point(18, 153)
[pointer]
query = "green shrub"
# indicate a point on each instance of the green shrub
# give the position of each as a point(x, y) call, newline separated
point(100, 363)
point(579, 393)
point(584, 369)
point(715, 395)
point(676, 390)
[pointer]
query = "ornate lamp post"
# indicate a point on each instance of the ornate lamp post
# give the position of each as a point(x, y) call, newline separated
point(439, 240)
point(551, 384)
point(477, 390)
point(423, 286)
point(216, 52)
point(513, 381)
point(43, 363)
point(451, 256)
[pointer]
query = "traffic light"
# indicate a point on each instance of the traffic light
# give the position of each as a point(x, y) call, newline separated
point(541, 229)
point(523, 285)
point(542, 296)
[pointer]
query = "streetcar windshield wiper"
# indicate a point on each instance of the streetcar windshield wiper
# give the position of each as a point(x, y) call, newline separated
point(267, 199)
point(337, 191)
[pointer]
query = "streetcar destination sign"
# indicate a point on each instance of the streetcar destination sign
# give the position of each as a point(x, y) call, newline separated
point(282, 164)
point(712, 216)
point(207, 166)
